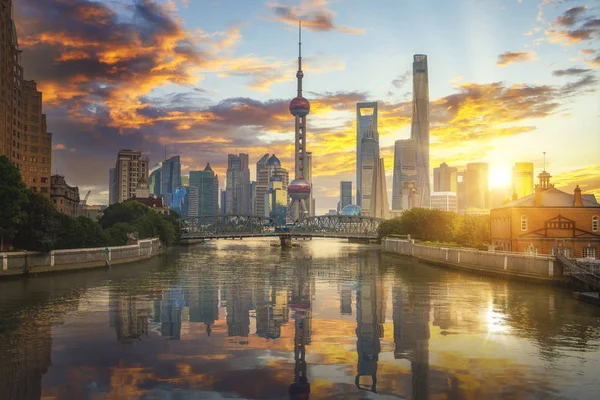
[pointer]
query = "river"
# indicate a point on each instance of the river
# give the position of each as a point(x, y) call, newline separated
point(328, 320)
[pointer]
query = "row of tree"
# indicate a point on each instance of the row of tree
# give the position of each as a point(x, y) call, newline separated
point(439, 226)
point(31, 222)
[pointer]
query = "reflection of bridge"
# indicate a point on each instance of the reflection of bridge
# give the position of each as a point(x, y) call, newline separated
point(241, 226)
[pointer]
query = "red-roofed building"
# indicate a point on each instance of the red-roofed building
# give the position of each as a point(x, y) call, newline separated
point(154, 202)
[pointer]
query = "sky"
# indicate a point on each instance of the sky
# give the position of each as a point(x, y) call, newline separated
point(508, 80)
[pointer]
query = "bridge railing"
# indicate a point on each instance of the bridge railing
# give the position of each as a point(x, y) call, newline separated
point(210, 225)
point(579, 271)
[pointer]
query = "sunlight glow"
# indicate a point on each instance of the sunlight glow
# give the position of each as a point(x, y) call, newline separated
point(500, 175)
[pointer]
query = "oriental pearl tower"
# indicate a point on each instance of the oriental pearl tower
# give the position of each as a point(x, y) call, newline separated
point(299, 188)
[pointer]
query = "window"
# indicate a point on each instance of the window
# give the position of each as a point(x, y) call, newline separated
point(561, 250)
point(523, 223)
point(44, 180)
point(595, 223)
point(588, 252)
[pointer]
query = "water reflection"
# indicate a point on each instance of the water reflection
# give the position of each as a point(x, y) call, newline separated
point(350, 323)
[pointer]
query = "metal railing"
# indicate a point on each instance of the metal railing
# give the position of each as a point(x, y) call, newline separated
point(579, 271)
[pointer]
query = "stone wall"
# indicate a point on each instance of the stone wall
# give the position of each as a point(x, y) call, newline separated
point(22, 263)
point(495, 263)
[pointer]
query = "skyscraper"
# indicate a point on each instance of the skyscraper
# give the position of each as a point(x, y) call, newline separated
point(207, 183)
point(262, 185)
point(477, 189)
point(299, 189)
point(405, 170)
point(523, 179)
point(420, 126)
point(154, 182)
point(130, 167)
point(461, 190)
point(345, 194)
point(444, 178)
point(276, 200)
point(369, 157)
point(237, 189)
point(170, 178)
point(379, 206)
point(268, 168)
point(366, 118)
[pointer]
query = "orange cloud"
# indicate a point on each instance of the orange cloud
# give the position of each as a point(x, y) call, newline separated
point(314, 15)
point(508, 57)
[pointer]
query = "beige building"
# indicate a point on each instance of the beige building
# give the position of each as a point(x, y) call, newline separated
point(64, 197)
point(130, 168)
point(23, 136)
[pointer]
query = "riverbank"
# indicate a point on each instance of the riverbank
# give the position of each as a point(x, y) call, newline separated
point(503, 264)
point(27, 262)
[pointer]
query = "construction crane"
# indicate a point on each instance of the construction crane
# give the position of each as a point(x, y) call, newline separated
point(87, 196)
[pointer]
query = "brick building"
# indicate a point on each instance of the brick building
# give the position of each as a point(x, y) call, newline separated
point(549, 221)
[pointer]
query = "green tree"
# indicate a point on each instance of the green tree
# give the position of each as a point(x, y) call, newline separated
point(13, 195)
point(123, 212)
point(116, 235)
point(392, 226)
point(38, 230)
point(79, 232)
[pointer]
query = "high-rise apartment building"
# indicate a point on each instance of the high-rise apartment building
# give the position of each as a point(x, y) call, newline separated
point(523, 179)
point(477, 189)
point(130, 167)
point(420, 126)
point(444, 179)
point(345, 194)
point(170, 178)
point(238, 185)
point(405, 170)
point(268, 169)
point(366, 119)
point(369, 157)
point(24, 139)
point(207, 183)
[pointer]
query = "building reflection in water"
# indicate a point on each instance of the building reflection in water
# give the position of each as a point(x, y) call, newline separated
point(128, 315)
point(370, 317)
point(204, 303)
point(301, 313)
point(238, 301)
point(346, 297)
point(168, 310)
point(271, 301)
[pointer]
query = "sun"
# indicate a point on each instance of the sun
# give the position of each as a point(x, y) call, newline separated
point(500, 175)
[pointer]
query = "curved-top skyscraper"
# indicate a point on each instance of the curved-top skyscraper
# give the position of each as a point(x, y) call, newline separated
point(420, 126)
point(299, 188)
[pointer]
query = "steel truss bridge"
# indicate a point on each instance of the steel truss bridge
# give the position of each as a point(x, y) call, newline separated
point(227, 226)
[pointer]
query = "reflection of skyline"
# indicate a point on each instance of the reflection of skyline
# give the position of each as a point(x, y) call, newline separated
point(272, 310)
point(301, 310)
point(204, 303)
point(129, 316)
point(238, 301)
point(370, 317)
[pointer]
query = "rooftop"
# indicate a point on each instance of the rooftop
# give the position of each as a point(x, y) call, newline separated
point(553, 198)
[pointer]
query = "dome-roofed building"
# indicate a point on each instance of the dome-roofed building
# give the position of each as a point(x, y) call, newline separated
point(351, 210)
point(274, 161)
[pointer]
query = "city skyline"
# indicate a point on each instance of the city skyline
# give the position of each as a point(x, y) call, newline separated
point(224, 91)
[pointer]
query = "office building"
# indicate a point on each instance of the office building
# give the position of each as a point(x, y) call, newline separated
point(130, 167)
point(268, 169)
point(345, 194)
point(369, 157)
point(185, 200)
point(445, 201)
point(379, 206)
point(523, 179)
point(276, 201)
point(207, 183)
point(420, 126)
point(549, 221)
point(444, 178)
point(223, 208)
point(253, 197)
point(238, 185)
point(366, 120)
point(170, 178)
point(24, 139)
point(64, 197)
point(405, 170)
point(410, 197)
point(154, 181)
point(477, 189)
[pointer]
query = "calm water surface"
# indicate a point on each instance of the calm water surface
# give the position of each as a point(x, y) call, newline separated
point(330, 320)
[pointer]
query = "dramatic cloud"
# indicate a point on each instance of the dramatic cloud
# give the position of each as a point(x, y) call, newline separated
point(508, 57)
point(401, 79)
point(575, 25)
point(314, 15)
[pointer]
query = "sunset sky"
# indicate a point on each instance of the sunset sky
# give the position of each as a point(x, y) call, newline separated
point(509, 79)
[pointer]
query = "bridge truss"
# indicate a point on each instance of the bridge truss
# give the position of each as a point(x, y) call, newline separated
point(238, 226)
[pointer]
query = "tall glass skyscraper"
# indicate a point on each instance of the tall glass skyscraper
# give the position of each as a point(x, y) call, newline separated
point(170, 178)
point(366, 115)
point(154, 181)
point(405, 170)
point(237, 196)
point(345, 194)
point(420, 126)
point(477, 189)
point(207, 183)
point(523, 179)
point(369, 157)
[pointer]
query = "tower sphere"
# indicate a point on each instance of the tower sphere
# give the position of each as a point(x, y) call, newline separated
point(299, 106)
point(299, 189)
